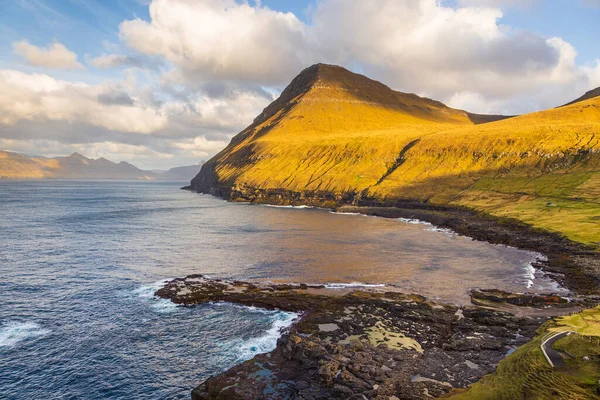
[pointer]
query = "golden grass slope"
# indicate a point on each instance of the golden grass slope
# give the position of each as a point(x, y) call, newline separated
point(542, 168)
point(337, 131)
point(330, 130)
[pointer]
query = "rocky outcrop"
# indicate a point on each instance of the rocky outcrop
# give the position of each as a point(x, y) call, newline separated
point(372, 344)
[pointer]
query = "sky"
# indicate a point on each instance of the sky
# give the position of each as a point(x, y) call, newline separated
point(164, 83)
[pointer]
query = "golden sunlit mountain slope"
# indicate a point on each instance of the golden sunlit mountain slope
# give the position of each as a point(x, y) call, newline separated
point(337, 135)
point(331, 130)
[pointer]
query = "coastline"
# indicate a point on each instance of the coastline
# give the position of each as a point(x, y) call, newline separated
point(374, 342)
point(575, 266)
point(572, 265)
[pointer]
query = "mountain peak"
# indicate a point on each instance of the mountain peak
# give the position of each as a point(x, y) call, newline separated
point(77, 156)
point(332, 83)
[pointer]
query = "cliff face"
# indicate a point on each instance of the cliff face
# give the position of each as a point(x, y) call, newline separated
point(335, 137)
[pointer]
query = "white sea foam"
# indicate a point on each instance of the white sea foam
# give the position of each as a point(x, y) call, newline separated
point(253, 309)
point(268, 341)
point(351, 285)
point(13, 332)
point(529, 275)
point(348, 213)
point(414, 221)
point(281, 206)
point(445, 231)
point(159, 305)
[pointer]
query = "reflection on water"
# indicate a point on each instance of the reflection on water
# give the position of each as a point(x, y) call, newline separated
point(152, 231)
point(314, 246)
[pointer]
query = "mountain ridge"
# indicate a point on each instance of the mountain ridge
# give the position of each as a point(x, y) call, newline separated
point(77, 166)
point(587, 96)
point(349, 138)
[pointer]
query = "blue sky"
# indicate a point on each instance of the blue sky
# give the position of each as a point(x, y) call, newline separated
point(173, 90)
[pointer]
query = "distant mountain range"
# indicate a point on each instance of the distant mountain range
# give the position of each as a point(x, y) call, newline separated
point(77, 166)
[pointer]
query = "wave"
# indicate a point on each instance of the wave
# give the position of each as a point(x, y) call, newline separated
point(281, 206)
point(267, 342)
point(159, 305)
point(414, 221)
point(352, 285)
point(539, 278)
point(349, 213)
point(14, 332)
point(529, 275)
point(445, 231)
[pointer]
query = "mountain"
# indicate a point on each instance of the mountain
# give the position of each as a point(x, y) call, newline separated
point(588, 95)
point(327, 122)
point(185, 173)
point(336, 137)
point(77, 166)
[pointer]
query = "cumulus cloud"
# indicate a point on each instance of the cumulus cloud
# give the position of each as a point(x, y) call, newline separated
point(421, 46)
point(41, 97)
point(55, 55)
point(424, 47)
point(43, 115)
point(221, 39)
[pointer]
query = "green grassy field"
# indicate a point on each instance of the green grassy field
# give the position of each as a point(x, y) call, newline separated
point(526, 374)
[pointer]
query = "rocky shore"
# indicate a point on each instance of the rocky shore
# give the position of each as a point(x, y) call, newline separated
point(361, 344)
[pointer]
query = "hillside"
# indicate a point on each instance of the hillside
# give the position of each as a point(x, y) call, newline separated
point(337, 135)
point(588, 95)
point(331, 130)
point(76, 166)
point(184, 173)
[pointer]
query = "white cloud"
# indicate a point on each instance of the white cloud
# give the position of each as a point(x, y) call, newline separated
point(221, 39)
point(593, 73)
point(200, 147)
point(41, 97)
point(55, 55)
point(118, 120)
point(421, 46)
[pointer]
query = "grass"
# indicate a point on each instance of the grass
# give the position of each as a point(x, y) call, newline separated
point(585, 323)
point(348, 134)
point(525, 374)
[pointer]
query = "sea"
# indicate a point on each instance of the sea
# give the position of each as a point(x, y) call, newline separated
point(80, 262)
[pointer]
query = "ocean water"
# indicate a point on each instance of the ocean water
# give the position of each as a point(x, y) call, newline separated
point(80, 261)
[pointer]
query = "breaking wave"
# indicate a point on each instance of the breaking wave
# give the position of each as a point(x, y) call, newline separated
point(267, 342)
point(159, 305)
point(352, 285)
point(14, 332)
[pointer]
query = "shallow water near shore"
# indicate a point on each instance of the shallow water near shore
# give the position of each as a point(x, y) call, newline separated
point(79, 263)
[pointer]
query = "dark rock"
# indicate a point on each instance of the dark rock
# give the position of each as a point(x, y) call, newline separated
point(310, 363)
